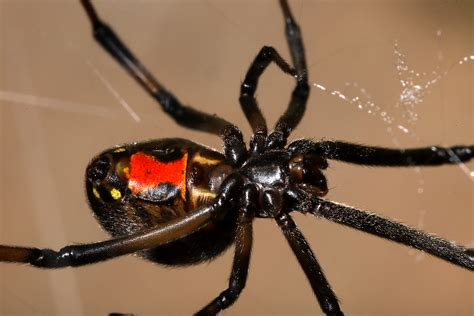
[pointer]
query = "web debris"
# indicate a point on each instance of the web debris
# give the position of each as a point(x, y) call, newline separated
point(115, 93)
point(414, 86)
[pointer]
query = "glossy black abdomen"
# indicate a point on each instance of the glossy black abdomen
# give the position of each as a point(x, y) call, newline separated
point(141, 186)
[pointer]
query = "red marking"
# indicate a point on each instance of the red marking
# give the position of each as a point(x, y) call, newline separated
point(146, 172)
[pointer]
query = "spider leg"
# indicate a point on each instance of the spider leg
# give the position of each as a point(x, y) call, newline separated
point(321, 288)
point(297, 106)
point(247, 98)
point(326, 297)
point(78, 255)
point(243, 248)
point(185, 116)
point(389, 229)
point(385, 157)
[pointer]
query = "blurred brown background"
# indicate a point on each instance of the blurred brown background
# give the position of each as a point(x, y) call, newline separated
point(56, 113)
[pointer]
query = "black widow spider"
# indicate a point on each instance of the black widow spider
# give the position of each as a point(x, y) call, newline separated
point(199, 201)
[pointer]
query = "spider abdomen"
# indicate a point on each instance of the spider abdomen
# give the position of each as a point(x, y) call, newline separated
point(142, 185)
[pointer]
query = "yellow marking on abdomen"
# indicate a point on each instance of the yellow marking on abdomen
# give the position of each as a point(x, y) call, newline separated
point(96, 193)
point(116, 194)
point(205, 161)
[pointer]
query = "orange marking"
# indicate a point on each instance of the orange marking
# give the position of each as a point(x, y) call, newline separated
point(126, 171)
point(146, 172)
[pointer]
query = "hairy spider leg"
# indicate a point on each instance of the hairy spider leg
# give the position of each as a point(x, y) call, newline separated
point(326, 297)
point(322, 289)
point(391, 230)
point(78, 255)
point(297, 106)
point(242, 252)
point(185, 116)
point(247, 99)
point(384, 157)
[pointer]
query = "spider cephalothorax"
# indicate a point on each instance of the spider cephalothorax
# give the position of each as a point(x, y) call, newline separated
point(178, 203)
